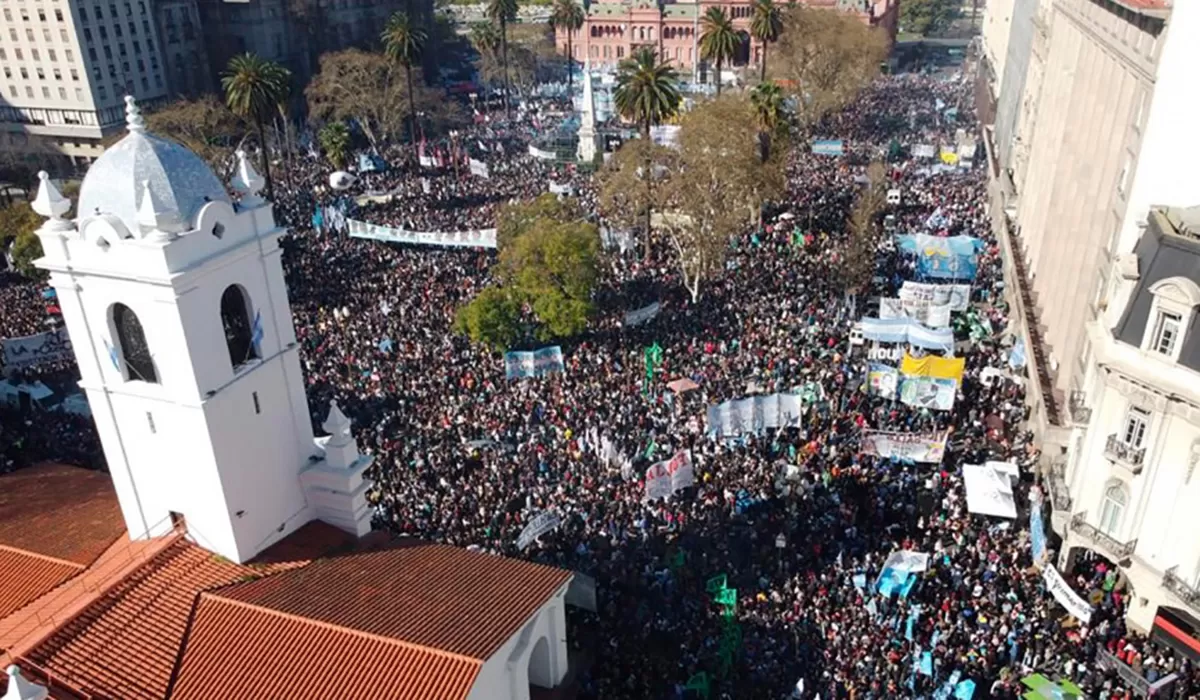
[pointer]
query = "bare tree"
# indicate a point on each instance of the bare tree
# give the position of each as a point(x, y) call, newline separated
point(857, 262)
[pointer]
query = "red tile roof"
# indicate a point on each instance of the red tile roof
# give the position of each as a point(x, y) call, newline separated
point(431, 595)
point(28, 577)
point(312, 540)
point(237, 650)
point(58, 511)
point(124, 645)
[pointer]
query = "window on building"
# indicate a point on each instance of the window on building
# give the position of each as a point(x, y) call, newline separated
point(12, 34)
point(57, 74)
point(92, 55)
point(34, 54)
point(112, 10)
point(12, 90)
point(117, 31)
point(41, 15)
point(62, 34)
point(46, 34)
point(141, 66)
point(145, 84)
point(74, 75)
point(1112, 508)
point(137, 48)
point(8, 72)
point(1166, 333)
point(83, 14)
point(239, 332)
point(45, 92)
point(53, 55)
point(69, 55)
point(3, 55)
point(124, 51)
point(58, 15)
point(79, 94)
point(1137, 422)
point(20, 56)
point(103, 92)
point(24, 73)
point(132, 349)
point(104, 33)
point(41, 74)
point(99, 12)
point(28, 91)
point(62, 93)
point(7, 15)
point(29, 34)
point(141, 7)
point(128, 10)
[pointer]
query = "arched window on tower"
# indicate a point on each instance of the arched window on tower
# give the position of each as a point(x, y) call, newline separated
point(239, 332)
point(136, 361)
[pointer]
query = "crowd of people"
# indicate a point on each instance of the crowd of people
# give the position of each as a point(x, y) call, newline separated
point(799, 520)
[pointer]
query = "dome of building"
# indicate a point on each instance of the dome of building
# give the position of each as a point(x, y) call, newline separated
point(177, 178)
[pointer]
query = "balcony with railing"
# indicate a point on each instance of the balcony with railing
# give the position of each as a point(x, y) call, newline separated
point(1077, 408)
point(1107, 544)
point(1119, 450)
point(1181, 589)
point(1060, 496)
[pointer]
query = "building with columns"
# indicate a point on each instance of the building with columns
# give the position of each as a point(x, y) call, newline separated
point(613, 29)
point(228, 554)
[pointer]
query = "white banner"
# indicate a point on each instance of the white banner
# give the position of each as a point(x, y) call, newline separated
point(957, 296)
point(924, 150)
point(426, 161)
point(934, 316)
point(1066, 596)
point(907, 560)
point(482, 238)
point(989, 492)
point(642, 315)
point(544, 522)
point(754, 414)
point(669, 476)
point(566, 189)
point(479, 168)
point(539, 153)
point(919, 447)
point(32, 350)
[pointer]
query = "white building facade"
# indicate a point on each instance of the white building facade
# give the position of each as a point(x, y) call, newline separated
point(175, 301)
point(66, 67)
point(1134, 495)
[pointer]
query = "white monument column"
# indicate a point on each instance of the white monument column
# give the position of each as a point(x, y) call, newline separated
point(588, 139)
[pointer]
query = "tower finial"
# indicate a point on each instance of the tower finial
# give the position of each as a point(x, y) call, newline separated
point(49, 202)
point(133, 116)
point(247, 181)
point(156, 221)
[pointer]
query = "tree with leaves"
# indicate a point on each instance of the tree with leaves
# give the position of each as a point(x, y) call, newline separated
point(502, 13)
point(18, 226)
point(254, 88)
point(827, 59)
point(515, 218)
point(206, 126)
point(857, 261)
point(718, 39)
point(492, 318)
point(568, 16)
point(717, 186)
point(334, 138)
point(765, 25)
point(927, 17)
point(365, 87)
point(769, 116)
point(647, 94)
point(403, 42)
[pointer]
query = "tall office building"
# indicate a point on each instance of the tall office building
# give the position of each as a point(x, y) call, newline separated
point(67, 65)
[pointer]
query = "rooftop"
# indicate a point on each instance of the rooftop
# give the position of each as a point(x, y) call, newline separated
point(58, 511)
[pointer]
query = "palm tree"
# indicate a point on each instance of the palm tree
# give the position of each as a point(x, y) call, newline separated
point(718, 39)
point(647, 93)
point(765, 25)
point(501, 12)
point(568, 16)
point(254, 87)
point(767, 99)
point(403, 42)
point(335, 141)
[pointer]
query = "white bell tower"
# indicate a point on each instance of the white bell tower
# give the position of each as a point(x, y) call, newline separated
point(175, 301)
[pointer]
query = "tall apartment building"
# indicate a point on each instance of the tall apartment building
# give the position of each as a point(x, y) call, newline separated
point(67, 65)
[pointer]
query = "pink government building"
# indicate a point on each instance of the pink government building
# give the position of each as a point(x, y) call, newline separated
point(614, 28)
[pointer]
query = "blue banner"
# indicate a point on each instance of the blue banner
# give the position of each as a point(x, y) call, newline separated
point(538, 363)
point(368, 163)
point(941, 257)
point(828, 147)
point(1037, 533)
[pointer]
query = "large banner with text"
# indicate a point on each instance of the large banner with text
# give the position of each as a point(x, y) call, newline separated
point(481, 238)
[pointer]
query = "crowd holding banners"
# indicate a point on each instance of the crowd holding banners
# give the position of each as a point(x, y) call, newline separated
point(804, 614)
point(533, 363)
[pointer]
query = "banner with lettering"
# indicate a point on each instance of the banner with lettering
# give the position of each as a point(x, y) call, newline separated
point(479, 168)
point(828, 147)
point(1066, 596)
point(643, 315)
point(670, 476)
point(956, 296)
point(540, 525)
point(540, 153)
point(919, 447)
point(943, 257)
point(536, 363)
point(482, 238)
point(907, 330)
point(923, 312)
point(33, 350)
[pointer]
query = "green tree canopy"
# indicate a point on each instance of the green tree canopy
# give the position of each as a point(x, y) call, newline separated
point(254, 89)
point(335, 141)
point(928, 16)
point(718, 39)
point(492, 318)
point(568, 16)
point(18, 224)
point(765, 25)
point(514, 219)
point(403, 42)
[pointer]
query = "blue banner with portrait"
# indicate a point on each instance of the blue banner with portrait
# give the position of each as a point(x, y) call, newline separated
point(943, 257)
point(828, 147)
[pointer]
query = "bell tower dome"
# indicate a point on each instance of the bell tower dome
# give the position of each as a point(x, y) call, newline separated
point(175, 301)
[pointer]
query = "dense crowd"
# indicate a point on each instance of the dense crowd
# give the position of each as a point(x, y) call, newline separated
point(798, 519)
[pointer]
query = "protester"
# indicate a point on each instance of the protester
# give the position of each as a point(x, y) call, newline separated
point(798, 519)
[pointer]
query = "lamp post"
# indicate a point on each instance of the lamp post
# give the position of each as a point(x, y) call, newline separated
point(780, 544)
